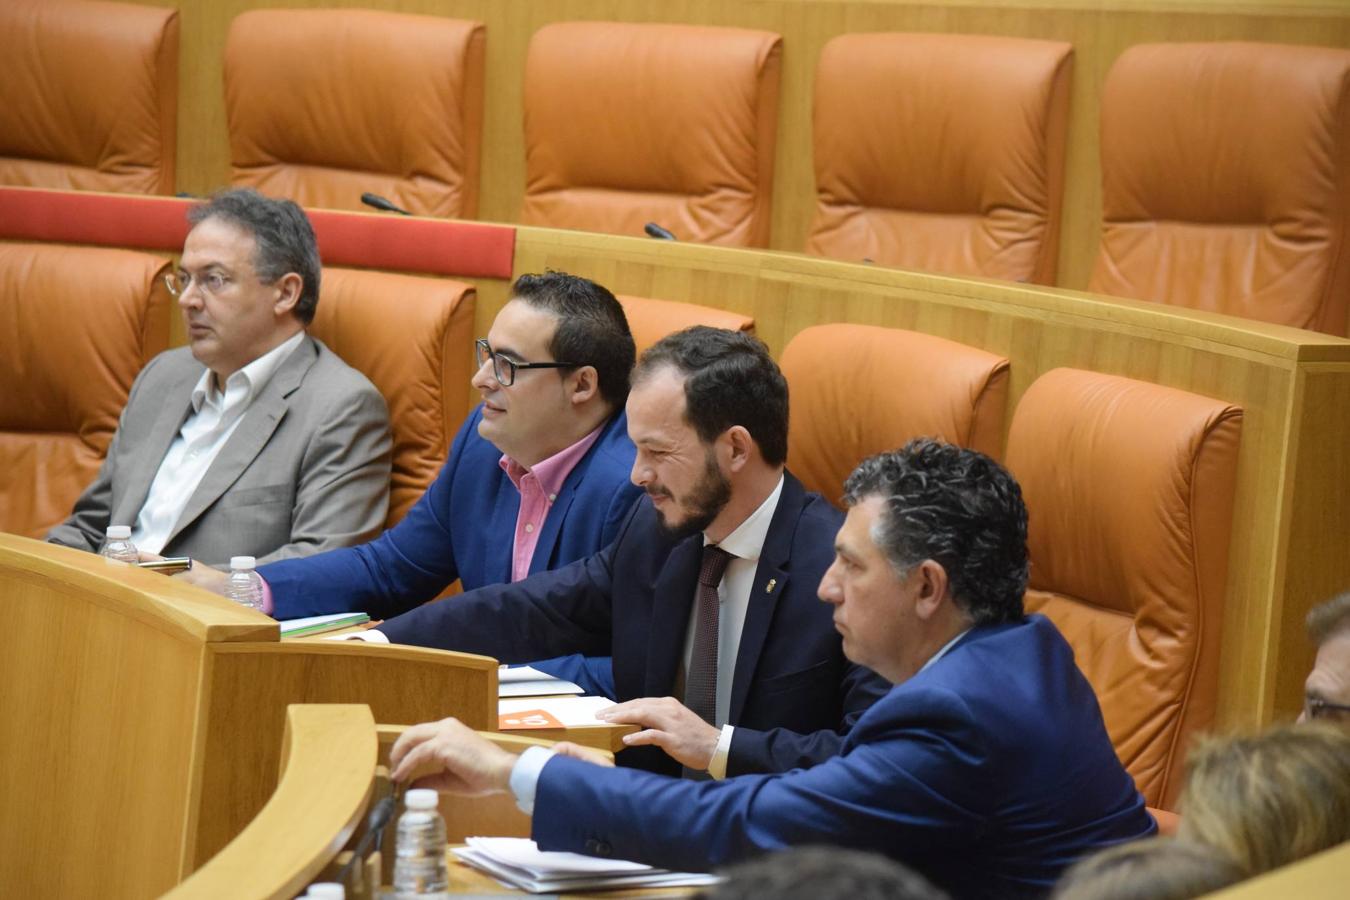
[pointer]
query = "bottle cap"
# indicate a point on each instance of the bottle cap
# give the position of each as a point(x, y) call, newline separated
point(242, 562)
point(327, 890)
point(119, 532)
point(421, 799)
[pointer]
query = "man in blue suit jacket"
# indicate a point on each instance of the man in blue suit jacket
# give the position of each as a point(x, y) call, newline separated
point(987, 767)
point(549, 437)
point(708, 414)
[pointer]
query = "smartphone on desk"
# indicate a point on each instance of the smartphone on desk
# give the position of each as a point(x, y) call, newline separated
point(168, 565)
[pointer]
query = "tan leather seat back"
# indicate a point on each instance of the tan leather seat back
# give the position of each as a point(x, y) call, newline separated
point(1226, 181)
point(857, 390)
point(88, 96)
point(76, 324)
point(413, 338)
point(941, 152)
point(633, 123)
point(372, 101)
point(650, 319)
point(1129, 487)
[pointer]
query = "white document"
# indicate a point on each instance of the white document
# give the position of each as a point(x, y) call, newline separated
point(524, 681)
point(519, 863)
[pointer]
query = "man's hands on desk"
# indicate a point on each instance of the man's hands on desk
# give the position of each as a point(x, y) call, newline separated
point(668, 724)
point(461, 761)
point(202, 576)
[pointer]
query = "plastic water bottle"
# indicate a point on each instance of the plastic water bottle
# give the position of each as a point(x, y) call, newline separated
point(246, 587)
point(419, 867)
point(118, 545)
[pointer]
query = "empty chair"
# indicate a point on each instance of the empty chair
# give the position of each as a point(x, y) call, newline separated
point(857, 390)
point(631, 123)
point(941, 152)
point(650, 319)
point(78, 324)
point(413, 338)
point(89, 96)
point(324, 105)
point(1226, 181)
point(1129, 487)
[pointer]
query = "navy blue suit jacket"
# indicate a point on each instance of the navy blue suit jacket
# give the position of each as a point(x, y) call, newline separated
point(990, 772)
point(794, 695)
point(463, 527)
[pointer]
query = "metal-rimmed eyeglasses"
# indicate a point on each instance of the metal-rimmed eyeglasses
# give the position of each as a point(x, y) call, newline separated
point(1317, 708)
point(182, 281)
point(504, 367)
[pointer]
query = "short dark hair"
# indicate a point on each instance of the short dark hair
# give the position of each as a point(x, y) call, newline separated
point(729, 379)
point(822, 873)
point(1330, 618)
point(285, 239)
point(592, 329)
point(958, 508)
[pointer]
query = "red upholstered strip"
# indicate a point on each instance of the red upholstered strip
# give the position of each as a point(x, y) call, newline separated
point(368, 240)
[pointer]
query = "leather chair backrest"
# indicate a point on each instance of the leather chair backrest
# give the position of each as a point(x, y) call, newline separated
point(413, 338)
point(856, 390)
point(650, 319)
point(941, 152)
point(76, 324)
point(1226, 181)
point(326, 104)
point(89, 96)
point(633, 123)
point(1129, 488)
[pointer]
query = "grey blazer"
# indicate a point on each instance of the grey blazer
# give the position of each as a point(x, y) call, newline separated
point(306, 470)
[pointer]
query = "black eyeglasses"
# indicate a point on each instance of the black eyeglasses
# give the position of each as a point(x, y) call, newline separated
point(1321, 709)
point(504, 367)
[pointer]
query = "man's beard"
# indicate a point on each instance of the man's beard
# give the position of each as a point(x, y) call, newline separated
point(706, 500)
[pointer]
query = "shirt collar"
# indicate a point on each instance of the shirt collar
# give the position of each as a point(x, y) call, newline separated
point(943, 652)
point(552, 472)
point(747, 540)
point(252, 378)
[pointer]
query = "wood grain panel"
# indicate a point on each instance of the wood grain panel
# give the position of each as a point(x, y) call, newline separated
point(1099, 31)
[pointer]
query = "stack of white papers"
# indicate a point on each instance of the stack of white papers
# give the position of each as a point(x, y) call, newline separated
point(524, 681)
point(516, 713)
point(317, 624)
point(518, 863)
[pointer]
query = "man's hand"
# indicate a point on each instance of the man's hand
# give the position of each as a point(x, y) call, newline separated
point(459, 760)
point(585, 754)
point(670, 725)
point(206, 577)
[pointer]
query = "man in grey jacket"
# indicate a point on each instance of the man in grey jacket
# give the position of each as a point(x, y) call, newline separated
point(255, 439)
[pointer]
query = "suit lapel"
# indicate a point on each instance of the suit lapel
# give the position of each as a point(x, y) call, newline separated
point(250, 437)
point(175, 411)
point(771, 580)
point(672, 599)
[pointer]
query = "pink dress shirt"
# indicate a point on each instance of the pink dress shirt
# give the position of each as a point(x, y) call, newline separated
point(538, 488)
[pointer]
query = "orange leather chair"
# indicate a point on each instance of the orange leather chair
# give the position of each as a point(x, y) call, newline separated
point(1129, 487)
point(650, 319)
point(1226, 181)
point(413, 338)
point(633, 123)
point(373, 101)
point(79, 323)
point(942, 152)
point(89, 96)
point(857, 390)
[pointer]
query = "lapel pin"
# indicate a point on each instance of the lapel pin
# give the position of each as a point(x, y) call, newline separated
point(768, 588)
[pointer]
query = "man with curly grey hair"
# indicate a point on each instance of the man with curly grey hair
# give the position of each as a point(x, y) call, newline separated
point(986, 767)
point(255, 439)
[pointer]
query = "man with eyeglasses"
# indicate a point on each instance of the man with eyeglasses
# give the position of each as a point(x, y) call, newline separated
point(1326, 691)
point(255, 439)
point(536, 477)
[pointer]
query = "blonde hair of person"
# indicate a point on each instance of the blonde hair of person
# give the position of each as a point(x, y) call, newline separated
point(1269, 799)
point(1158, 868)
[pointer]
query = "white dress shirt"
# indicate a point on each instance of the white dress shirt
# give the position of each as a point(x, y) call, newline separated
point(214, 417)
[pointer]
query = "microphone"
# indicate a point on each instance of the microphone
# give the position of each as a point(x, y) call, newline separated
point(656, 231)
point(379, 202)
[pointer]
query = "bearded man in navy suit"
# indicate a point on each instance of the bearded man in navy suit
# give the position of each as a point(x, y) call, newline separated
point(986, 767)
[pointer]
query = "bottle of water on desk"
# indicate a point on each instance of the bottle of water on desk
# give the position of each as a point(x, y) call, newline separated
point(246, 586)
point(118, 545)
point(419, 867)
